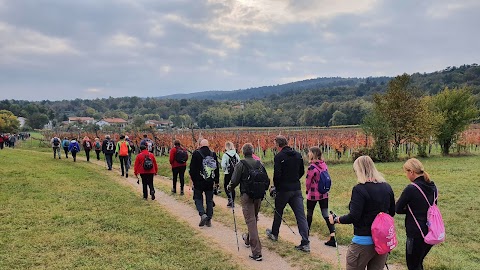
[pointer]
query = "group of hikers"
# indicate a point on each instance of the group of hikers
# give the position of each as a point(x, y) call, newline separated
point(9, 140)
point(372, 197)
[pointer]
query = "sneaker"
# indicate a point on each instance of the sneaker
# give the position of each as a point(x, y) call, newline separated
point(213, 204)
point(208, 223)
point(257, 258)
point(174, 191)
point(123, 175)
point(153, 195)
point(332, 242)
point(126, 175)
point(203, 220)
point(304, 248)
point(271, 236)
point(181, 193)
point(230, 204)
point(246, 241)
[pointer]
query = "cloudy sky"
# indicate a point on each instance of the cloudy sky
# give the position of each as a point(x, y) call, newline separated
point(66, 49)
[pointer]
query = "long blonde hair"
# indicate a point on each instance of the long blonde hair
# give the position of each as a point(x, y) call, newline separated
point(366, 171)
point(416, 166)
point(229, 146)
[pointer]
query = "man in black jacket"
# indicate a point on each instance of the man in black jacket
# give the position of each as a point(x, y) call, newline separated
point(203, 179)
point(108, 149)
point(288, 168)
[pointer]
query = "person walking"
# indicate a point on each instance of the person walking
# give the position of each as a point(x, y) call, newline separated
point(250, 206)
point(204, 172)
point(87, 147)
point(65, 145)
point(55, 141)
point(132, 150)
point(122, 150)
point(413, 204)
point(148, 143)
point(12, 140)
point(178, 161)
point(229, 160)
point(146, 166)
point(108, 149)
point(97, 147)
point(74, 148)
point(370, 196)
point(2, 141)
point(287, 171)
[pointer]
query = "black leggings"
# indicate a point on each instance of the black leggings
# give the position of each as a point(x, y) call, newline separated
point(180, 172)
point(324, 210)
point(416, 249)
point(226, 181)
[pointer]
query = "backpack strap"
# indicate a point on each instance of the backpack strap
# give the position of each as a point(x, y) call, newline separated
point(425, 196)
point(430, 205)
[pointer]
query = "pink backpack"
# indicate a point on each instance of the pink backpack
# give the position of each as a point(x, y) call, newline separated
point(384, 235)
point(436, 227)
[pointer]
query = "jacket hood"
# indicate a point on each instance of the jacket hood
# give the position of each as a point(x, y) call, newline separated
point(288, 151)
point(231, 152)
point(420, 181)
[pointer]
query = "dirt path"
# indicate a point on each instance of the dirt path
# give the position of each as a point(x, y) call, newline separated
point(223, 236)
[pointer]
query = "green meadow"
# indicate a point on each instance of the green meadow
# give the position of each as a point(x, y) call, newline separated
point(56, 214)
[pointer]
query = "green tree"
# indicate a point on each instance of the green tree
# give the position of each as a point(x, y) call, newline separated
point(37, 120)
point(338, 118)
point(8, 122)
point(376, 125)
point(457, 108)
point(426, 125)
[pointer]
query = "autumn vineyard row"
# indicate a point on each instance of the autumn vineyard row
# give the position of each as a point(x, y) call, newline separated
point(335, 142)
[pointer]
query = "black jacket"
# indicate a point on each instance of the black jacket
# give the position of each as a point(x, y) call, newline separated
point(240, 174)
point(287, 170)
point(367, 201)
point(412, 196)
point(196, 169)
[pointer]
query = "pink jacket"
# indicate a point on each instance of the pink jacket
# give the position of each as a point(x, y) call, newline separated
point(313, 176)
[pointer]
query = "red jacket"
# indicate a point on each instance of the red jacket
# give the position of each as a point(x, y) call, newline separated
point(173, 162)
point(138, 168)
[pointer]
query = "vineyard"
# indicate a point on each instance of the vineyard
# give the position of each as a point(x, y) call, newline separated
point(336, 143)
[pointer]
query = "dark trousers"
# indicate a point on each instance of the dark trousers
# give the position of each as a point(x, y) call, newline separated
point(417, 249)
point(323, 209)
point(124, 164)
point(198, 198)
point(226, 180)
point(250, 208)
point(1, 145)
point(65, 149)
point(87, 154)
point(147, 182)
point(98, 154)
point(74, 155)
point(295, 200)
point(180, 172)
point(56, 150)
point(109, 159)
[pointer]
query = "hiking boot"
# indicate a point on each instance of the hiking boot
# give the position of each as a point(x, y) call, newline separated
point(203, 220)
point(174, 190)
point(257, 258)
point(181, 193)
point(246, 241)
point(126, 175)
point(208, 223)
point(153, 195)
point(213, 203)
point(270, 235)
point(332, 242)
point(304, 247)
point(230, 204)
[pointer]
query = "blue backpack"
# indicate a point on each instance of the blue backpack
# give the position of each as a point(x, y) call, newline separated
point(325, 182)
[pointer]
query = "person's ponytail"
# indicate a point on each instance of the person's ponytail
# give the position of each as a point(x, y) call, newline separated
point(426, 176)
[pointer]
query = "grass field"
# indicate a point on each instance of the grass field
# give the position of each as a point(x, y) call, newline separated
point(457, 181)
point(56, 214)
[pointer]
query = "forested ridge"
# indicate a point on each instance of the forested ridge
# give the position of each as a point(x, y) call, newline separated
point(315, 102)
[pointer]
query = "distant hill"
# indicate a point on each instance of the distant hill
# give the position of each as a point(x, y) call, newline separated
point(265, 91)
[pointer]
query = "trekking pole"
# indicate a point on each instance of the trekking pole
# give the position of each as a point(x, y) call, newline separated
point(279, 215)
point(336, 242)
point(235, 225)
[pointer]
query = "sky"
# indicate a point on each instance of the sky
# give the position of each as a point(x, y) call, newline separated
point(66, 49)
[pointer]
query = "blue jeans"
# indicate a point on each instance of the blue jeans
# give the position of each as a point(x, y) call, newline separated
point(295, 200)
point(198, 198)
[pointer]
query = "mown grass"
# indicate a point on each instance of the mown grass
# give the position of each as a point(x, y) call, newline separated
point(56, 214)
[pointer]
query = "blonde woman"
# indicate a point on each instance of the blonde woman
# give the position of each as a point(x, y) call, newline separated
point(416, 248)
point(370, 196)
point(229, 160)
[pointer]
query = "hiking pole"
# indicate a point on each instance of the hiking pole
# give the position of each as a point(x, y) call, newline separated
point(336, 242)
point(235, 225)
point(279, 215)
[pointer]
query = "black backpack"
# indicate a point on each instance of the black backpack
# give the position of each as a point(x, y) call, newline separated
point(56, 141)
point(110, 146)
point(147, 163)
point(232, 161)
point(257, 181)
point(181, 155)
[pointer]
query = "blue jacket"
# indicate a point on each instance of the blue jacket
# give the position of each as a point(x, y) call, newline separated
point(74, 143)
point(65, 143)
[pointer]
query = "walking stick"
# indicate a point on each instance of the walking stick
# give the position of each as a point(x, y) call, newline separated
point(336, 243)
point(279, 215)
point(235, 224)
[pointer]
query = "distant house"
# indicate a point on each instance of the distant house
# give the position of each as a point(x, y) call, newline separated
point(117, 122)
point(239, 107)
point(80, 120)
point(48, 126)
point(22, 121)
point(159, 124)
